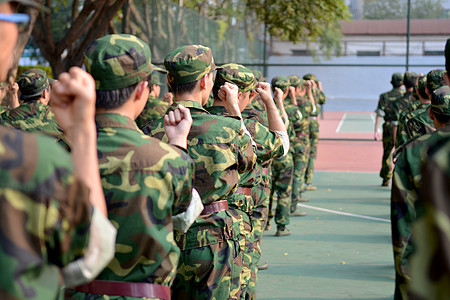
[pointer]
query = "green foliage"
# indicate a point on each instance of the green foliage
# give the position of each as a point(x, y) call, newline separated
point(47, 69)
point(397, 9)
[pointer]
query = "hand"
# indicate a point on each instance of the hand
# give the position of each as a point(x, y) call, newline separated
point(319, 85)
point(13, 96)
point(177, 124)
point(278, 95)
point(228, 93)
point(13, 88)
point(73, 101)
point(377, 135)
point(168, 97)
point(263, 90)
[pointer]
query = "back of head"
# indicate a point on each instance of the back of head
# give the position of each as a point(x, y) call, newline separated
point(259, 76)
point(295, 81)
point(410, 79)
point(421, 86)
point(281, 82)
point(310, 76)
point(118, 62)
point(397, 79)
point(32, 84)
point(447, 56)
point(435, 79)
point(186, 65)
point(236, 74)
point(440, 104)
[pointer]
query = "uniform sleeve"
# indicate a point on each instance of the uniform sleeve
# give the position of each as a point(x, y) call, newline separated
point(269, 144)
point(246, 157)
point(380, 107)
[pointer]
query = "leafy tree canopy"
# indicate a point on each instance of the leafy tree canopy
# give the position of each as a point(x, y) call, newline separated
point(397, 9)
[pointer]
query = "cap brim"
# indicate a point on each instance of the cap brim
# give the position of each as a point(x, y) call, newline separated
point(161, 70)
point(51, 80)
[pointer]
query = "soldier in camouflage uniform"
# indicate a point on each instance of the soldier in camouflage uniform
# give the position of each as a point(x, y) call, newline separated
point(155, 108)
point(388, 109)
point(34, 114)
point(221, 150)
point(319, 99)
point(270, 142)
point(53, 226)
point(283, 168)
point(407, 182)
point(147, 183)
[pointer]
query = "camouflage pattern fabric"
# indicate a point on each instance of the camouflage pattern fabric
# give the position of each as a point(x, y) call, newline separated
point(189, 63)
point(45, 215)
point(236, 74)
point(142, 193)
point(430, 269)
point(154, 109)
point(220, 151)
point(435, 80)
point(282, 178)
point(32, 83)
point(313, 143)
point(118, 60)
point(407, 182)
point(34, 116)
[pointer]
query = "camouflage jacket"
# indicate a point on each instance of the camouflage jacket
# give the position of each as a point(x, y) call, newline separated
point(416, 123)
point(430, 230)
point(154, 109)
point(145, 183)
point(221, 151)
point(305, 106)
point(388, 106)
point(296, 130)
point(319, 98)
point(45, 215)
point(407, 182)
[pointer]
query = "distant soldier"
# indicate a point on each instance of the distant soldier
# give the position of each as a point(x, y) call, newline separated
point(406, 187)
point(270, 142)
point(319, 99)
point(221, 150)
point(34, 114)
point(53, 224)
point(147, 183)
point(388, 109)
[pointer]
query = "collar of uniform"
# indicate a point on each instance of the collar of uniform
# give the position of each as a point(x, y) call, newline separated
point(217, 110)
point(191, 104)
point(114, 120)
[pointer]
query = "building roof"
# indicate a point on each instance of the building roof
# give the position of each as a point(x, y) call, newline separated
point(396, 27)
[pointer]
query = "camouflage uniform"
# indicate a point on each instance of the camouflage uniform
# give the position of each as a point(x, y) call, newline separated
point(388, 109)
point(407, 182)
point(45, 215)
point(429, 264)
point(145, 181)
point(210, 250)
point(268, 145)
point(32, 115)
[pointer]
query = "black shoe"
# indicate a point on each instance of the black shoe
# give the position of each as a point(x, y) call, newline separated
point(282, 231)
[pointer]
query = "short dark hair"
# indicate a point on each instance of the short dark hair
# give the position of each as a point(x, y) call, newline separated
point(183, 88)
point(110, 99)
point(396, 84)
point(445, 119)
point(35, 98)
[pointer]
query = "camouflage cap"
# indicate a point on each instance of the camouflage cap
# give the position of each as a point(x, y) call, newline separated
point(435, 79)
point(410, 79)
point(310, 76)
point(281, 82)
point(421, 86)
point(156, 79)
point(189, 63)
point(447, 55)
point(259, 76)
point(397, 78)
point(295, 81)
point(440, 101)
point(236, 74)
point(32, 83)
point(118, 60)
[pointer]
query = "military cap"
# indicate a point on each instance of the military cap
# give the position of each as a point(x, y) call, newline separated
point(421, 86)
point(435, 79)
point(155, 79)
point(281, 82)
point(32, 83)
point(410, 78)
point(440, 101)
point(397, 78)
point(295, 81)
point(258, 76)
point(236, 74)
point(189, 63)
point(117, 61)
point(447, 55)
point(310, 76)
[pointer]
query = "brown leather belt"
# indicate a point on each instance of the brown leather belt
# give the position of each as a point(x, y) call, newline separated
point(215, 207)
point(265, 171)
point(244, 191)
point(125, 289)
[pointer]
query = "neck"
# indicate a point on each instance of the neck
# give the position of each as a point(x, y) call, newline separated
point(122, 110)
point(218, 103)
point(197, 97)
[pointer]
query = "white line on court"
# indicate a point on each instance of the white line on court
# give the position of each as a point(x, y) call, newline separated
point(341, 122)
point(344, 213)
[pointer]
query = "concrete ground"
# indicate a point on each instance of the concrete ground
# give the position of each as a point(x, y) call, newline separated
point(342, 248)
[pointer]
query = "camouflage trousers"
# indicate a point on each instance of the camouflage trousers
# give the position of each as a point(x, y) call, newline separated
point(301, 157)
point(388, 146)
point(313, 142)
point(282, 178)
point(212, 271)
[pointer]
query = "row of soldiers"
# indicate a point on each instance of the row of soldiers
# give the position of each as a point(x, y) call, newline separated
point(417, 126)
point(173, 208)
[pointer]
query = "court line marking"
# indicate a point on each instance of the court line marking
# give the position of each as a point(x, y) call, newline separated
point(341, 122)
point(344, 213)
